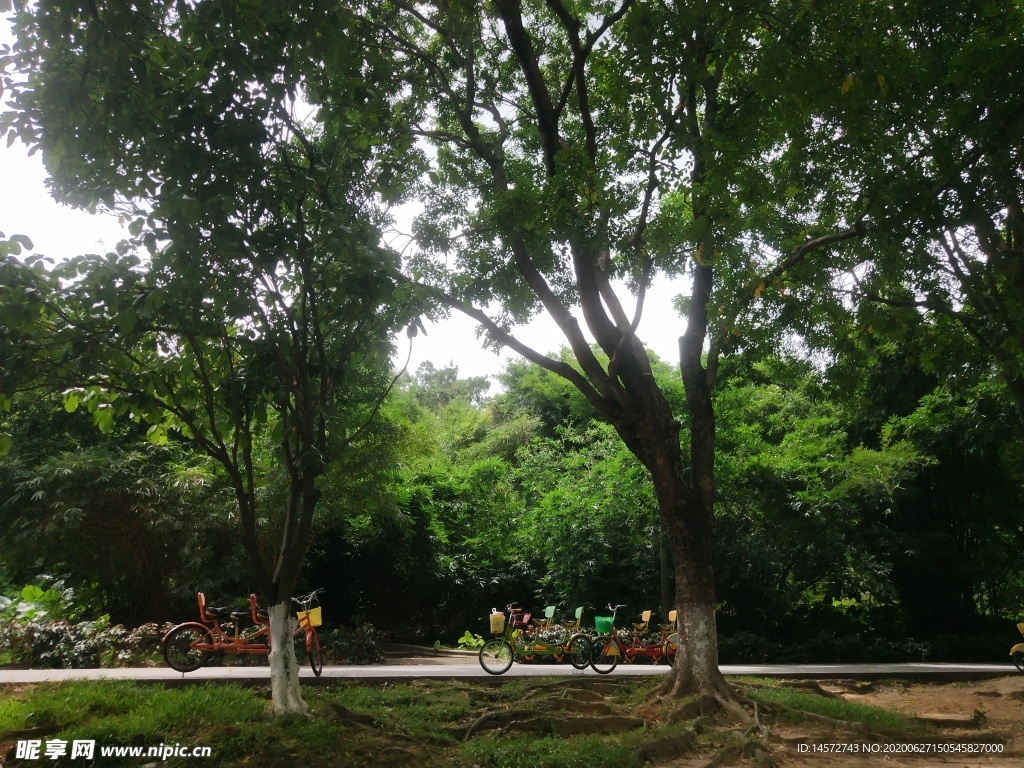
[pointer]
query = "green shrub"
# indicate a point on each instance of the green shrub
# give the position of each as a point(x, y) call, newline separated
point(361, 645)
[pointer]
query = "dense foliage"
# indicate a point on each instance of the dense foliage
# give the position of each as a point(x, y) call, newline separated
point(845, 532)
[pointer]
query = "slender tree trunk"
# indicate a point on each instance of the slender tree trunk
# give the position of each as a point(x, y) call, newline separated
point(286, 694)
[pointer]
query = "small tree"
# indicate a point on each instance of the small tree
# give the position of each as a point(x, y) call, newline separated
point(253, 294)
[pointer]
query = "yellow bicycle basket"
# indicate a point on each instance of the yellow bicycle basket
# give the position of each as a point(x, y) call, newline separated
point(311, 618)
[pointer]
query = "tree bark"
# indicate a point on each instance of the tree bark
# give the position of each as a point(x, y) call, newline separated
point(686, 516)
point(286, 694)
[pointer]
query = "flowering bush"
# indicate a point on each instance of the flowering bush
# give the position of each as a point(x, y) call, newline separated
point(58, 644)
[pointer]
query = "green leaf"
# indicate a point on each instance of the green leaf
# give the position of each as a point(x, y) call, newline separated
point(6, 441)
point(71, 401)
point(31, 593)
point(23, 241)
point(103, 418)
point(127, 320)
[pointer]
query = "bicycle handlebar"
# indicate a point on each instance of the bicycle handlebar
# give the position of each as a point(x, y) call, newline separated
point(306, 599)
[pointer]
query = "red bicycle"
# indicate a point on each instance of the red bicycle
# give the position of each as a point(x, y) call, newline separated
point(609, 646)
point(189, 646)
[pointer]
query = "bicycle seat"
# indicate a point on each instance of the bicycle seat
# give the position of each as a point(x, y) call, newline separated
point(218, 613)
point(574, 622)
point(239, 615)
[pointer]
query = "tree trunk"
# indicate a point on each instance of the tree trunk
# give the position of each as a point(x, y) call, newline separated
point(689, 530)
point(286, 695)
point(664, 574)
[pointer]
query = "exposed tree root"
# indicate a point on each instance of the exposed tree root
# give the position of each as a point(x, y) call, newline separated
point(677, 684)
point(575, 705)
point(605, 687)
point(538, 721)
point(698, 707)
point(579, 694)
point(391, 755)
point(498, 718)
point(585, 726)
point(732, 702)
point(734, 707)
point(666, 748)
point(751, 749)
point(810, 685)
point(356, 719)
point(727, 756)
point(851, 726)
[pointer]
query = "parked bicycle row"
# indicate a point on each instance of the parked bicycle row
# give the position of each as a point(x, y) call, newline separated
point(520, 637)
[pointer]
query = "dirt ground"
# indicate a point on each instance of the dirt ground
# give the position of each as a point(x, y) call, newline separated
point(970, 725)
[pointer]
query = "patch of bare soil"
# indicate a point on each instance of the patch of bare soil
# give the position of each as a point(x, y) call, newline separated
point(967, 725)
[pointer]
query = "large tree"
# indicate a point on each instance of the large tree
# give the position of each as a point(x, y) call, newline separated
point(254, 293)
point(583, 147)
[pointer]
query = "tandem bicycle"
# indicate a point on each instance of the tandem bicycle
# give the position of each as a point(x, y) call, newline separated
point(189, 646)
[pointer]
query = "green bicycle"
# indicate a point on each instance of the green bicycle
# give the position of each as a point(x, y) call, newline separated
point(519, 639)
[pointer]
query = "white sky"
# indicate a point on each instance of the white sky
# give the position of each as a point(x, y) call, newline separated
point(59, 232)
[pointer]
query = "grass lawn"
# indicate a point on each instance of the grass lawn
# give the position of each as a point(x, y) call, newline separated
point(505, 724)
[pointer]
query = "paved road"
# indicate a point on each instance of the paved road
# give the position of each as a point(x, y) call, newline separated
point(450, 668)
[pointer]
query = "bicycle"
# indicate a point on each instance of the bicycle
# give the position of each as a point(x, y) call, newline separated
point(310, 617)
point(547, 638)
point(1017, 652)
point(515, 641)
point(189, 646)
point(669, 637)
point(607, 647)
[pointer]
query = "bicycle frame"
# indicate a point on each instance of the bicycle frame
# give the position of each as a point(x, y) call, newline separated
point(254, 641)
point(188, 646)
point(1017, 651)
point(644, 645)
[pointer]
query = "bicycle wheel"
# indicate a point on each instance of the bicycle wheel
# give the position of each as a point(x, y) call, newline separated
point(578, 651)
point(178, 651)
point(316, 659)
point(604, 656)
point(496, 657)
point(1018, 660)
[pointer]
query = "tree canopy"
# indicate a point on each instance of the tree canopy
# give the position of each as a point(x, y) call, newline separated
point(840, 183)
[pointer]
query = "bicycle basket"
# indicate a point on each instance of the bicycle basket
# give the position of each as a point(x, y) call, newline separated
point(314, 617)
point(604, 624)
point(497, 623)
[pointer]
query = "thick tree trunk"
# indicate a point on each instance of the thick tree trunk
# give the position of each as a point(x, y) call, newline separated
point(688, 527)
point(286, 695)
